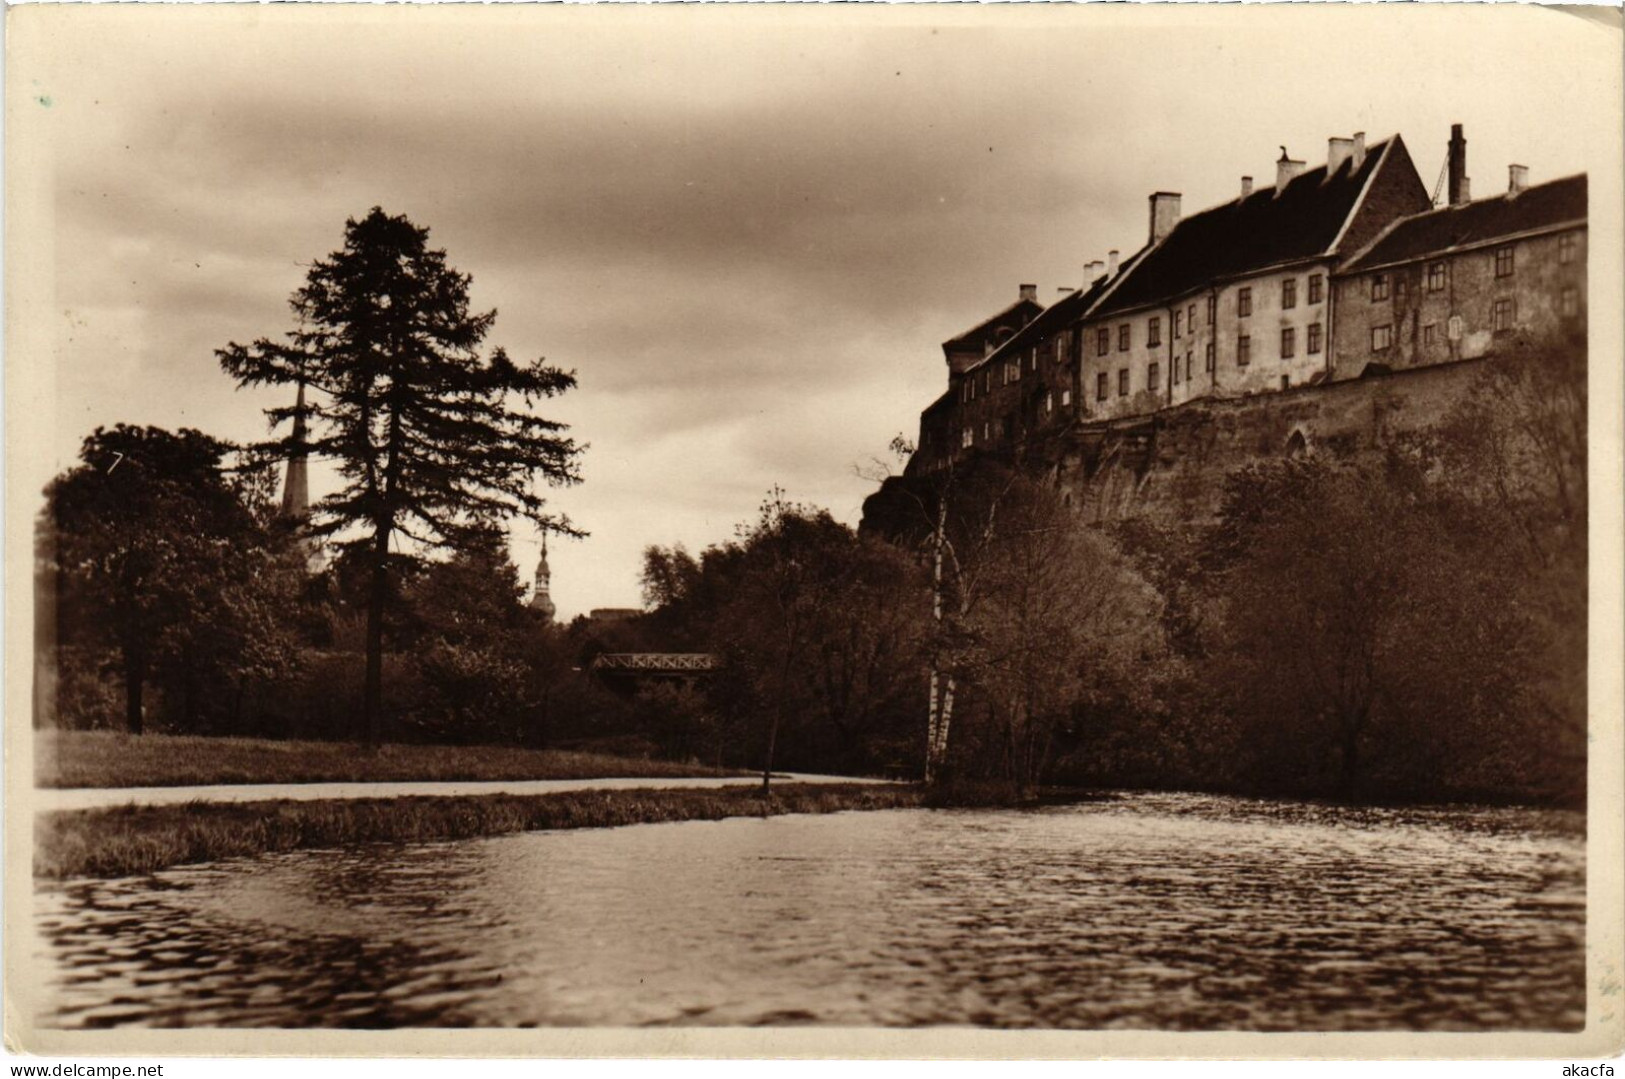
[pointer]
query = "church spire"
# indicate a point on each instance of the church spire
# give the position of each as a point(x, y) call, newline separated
point(541, 598)
point(296, 484)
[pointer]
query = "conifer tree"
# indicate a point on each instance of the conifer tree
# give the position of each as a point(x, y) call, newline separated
point(432, 440)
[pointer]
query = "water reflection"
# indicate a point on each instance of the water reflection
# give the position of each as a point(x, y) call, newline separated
point(1171, 912)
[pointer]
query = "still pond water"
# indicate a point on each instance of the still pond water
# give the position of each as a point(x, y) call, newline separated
point(1156, 911)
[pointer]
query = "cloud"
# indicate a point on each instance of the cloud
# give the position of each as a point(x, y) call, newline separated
point(747, 231)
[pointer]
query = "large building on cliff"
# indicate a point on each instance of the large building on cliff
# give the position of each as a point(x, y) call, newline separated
point(1334, 273)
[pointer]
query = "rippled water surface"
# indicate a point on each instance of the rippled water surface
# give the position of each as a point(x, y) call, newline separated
point(1174, 912)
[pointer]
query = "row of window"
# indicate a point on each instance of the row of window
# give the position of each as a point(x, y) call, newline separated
point(967, 434)
point(1506, 263)
point(1244, 357)
point(1383, 287)
point(1185, 320)
point(1503, 319)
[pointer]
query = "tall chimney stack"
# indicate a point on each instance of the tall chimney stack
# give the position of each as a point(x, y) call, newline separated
point(1111, 259)
point(1337, 151)
point(1091, 272)
point(1286, 170)
point(1357, 151)
point(1246, 186)
point(1029, 292)
point(1517, 178)
point(1164, 214)
point(1457, 167)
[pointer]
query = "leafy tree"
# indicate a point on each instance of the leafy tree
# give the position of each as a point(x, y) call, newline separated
point(1366, 633)
point(819, 629)
point(432, 439)
point(149, 547)
point(1062, 627)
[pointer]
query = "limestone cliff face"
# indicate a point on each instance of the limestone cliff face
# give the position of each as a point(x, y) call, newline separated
point(1171, 466)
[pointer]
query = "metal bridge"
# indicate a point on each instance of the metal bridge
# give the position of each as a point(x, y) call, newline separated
point(658, 664)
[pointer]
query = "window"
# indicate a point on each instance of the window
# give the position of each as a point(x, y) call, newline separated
point(1400, 289)
point(1175, 371)
point(1289, 293)
point(1244, 350)
point(1379, 287)
point(1032, 359)
point(1503, 316)
point(1571, 301)
point(1049, 402)
point(1568, 245)
point(1435, 277)
point(967, 392)
point(1289, 343)
point(1429, 334)
point(1066, 398)
point(1503, 262)
point(1207, 360)
point(1212, 307)
point(1190, 318)
point(1381, 338)
point(1188, 364)
point(1244, 302)
point(1286, 382)
point(966, 437)
point(1103, 341)
point(1123, 337)
point(1100, 386)
point(1315, 285)
point(987, 381)
point(1314, 339)
point(1153, 332)
point(1122, 382)
point(987, 430)
point(1153, 377)
point(1179, 321)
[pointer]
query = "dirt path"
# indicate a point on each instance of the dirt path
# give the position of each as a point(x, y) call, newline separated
point(44, 799)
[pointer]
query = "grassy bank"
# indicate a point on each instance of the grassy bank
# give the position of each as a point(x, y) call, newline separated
point(105, 759)
point(139, 839)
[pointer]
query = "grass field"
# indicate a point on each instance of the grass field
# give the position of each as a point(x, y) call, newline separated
point(105, 759)
point(140, 839)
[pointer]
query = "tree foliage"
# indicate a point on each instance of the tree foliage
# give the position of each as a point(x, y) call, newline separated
point(150, 548)
point(432, 439)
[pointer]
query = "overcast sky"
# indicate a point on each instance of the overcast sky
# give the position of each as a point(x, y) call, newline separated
point(748, 237)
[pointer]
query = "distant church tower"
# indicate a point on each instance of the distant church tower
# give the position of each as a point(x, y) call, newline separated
point(541, 600)
point(296, 485)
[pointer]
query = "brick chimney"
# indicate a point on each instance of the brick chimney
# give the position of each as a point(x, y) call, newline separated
point(1456, 166)
point(1246, 186)
point(1111, 256)
point(1029, 292)
point(1337, 151)
point(1517, 178)
point(1357, 150)
point(1164, 214)
point(1091, 271)
point(1286, 170)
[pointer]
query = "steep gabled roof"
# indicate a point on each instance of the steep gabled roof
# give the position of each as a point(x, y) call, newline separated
point(973, 337)
point(1440, 231)
point(1247, 234)
point(1059, 315)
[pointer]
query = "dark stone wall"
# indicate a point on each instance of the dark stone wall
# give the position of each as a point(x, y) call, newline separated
point(1171, 466)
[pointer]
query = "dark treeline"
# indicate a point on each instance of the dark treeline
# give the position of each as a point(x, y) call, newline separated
point(1400, 625)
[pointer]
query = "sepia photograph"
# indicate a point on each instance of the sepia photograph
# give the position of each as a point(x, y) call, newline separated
point(833, 530)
